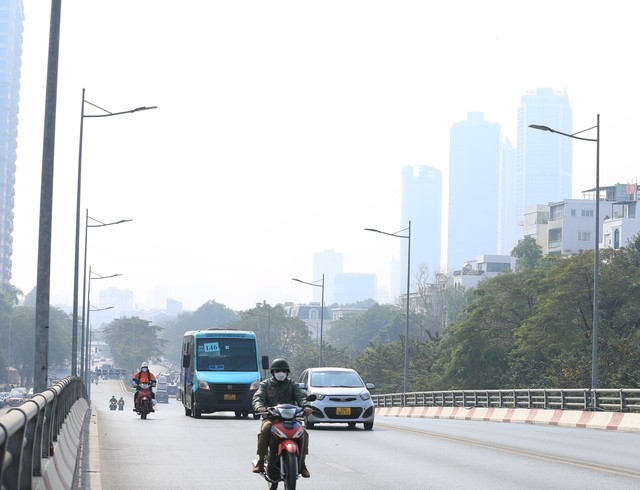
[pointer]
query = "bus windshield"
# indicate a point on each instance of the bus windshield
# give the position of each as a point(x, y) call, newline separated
point(226, 354)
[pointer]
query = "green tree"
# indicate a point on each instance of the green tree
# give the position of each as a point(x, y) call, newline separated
point(133, 340)
point(528, 253)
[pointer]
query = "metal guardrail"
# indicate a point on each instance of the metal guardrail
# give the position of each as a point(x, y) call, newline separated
point(28, 432)
point(613, 400)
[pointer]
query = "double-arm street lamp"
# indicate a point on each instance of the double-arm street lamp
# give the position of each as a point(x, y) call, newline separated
point(97, 224)
point(106, 113)
point(596, 260)
point(87, 328)
point(397, 234)
point(319, 284)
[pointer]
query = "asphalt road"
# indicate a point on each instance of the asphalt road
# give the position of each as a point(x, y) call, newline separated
point(172, 451)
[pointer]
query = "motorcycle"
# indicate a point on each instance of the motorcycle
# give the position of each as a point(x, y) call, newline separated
point(144, 400)
point(113, 406)
point(120, 406)
point(285, 445)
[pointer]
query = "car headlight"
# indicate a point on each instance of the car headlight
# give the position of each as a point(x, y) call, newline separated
point(365, 395)
point(255, 385)
point(203, 385)
point(319, 396)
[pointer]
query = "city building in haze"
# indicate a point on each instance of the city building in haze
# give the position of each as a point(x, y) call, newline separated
point(352, 287)
point(544, 160)
point(422, 205)
point(329, 263)
point(11, 25)
point(475, 153)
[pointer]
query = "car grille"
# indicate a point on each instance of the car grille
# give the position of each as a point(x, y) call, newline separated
point(343, 398)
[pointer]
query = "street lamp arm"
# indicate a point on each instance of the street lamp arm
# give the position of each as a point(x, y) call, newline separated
point(390, 234)
point(547, 128)
point(109, 113)
point(100, 223)
point(308, 283)
point(98, 276)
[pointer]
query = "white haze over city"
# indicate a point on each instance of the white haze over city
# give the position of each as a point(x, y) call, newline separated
point(282, 129)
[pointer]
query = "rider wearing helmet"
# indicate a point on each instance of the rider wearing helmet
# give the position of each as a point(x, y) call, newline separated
point(272, 391)
point(143, 376)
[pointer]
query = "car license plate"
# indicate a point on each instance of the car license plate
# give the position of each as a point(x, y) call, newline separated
point(343, 411)
point(230, 396)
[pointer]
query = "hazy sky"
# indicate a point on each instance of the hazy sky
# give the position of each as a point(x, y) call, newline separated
point(282, 128)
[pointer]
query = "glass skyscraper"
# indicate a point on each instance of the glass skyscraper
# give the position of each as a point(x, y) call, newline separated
point(474, 194)
point(543, 166)
point(11, 25)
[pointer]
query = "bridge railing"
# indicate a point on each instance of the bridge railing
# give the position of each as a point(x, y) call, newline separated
point(28, 432)
point(614, 400)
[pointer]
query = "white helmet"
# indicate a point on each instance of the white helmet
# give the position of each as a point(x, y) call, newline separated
point(144, 365)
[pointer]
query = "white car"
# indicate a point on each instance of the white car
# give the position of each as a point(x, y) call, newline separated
point(341, 397)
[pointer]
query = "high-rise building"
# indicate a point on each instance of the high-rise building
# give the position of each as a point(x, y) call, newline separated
point(354, 287)
point(11, 24)
point(474, 166)
point(422, 205)
point(329, 263)
point(509, 224)
point(543, 167)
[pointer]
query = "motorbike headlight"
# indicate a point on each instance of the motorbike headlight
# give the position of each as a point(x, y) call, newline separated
point(255, 385)
point(203, 385)
point(365, 395)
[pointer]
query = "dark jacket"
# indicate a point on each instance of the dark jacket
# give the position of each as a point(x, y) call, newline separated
point(272, 392)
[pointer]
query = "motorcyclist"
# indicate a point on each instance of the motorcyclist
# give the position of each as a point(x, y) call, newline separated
point(113, 400)
point(272, 391)
point(121, 403)
point(143, 376)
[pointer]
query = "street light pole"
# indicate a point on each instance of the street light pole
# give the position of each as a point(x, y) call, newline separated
point(84, 279)
point(405, 382)
point(321, 285)
point(596, 255)
point(87, 379)
point(74, 333)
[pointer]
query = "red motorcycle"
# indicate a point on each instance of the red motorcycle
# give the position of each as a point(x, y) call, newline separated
point(285, 446)
point(144, 400)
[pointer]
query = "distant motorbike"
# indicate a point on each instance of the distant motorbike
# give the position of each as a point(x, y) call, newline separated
point(285, 446)
point(121, 405)
point(144, 400)
point(113, 406)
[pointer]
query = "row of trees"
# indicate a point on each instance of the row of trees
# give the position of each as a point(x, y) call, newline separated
point(528, 328)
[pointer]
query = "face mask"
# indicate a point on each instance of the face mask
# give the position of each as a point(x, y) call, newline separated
point(144, 370)
point(280, 376)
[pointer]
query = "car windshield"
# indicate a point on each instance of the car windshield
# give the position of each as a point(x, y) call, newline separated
point(342, 379)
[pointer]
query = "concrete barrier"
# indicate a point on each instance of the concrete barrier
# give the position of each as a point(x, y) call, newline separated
point(624, 422)
point(59, 470)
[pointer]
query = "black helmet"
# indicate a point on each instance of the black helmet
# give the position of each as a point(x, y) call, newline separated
point(279, 365)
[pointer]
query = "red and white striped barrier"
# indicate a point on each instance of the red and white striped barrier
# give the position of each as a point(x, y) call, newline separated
point(624, 422)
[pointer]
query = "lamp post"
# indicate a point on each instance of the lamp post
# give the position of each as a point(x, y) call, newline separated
point(596, 260)
point(405, 381)
point(98, 224)
point(85, 361)
point(321, 285)
point(74, 333)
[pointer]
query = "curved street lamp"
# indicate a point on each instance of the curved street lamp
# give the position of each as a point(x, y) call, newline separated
point(85, 362)
point(396, 234)
point(321, 285)
point(596, 260)
point(106, 113)
point(99, 224)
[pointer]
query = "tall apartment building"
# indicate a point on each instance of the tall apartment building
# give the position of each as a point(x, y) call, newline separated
point(422, 205)
point(544, 160)
point(329, 263)
point(11, 25)
point(474, 166)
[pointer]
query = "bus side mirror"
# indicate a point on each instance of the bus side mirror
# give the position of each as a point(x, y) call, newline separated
point(265, 363)
point(186, 361)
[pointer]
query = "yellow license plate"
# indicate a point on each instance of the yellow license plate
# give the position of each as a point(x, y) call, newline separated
point(343, 411)
point(230, 397)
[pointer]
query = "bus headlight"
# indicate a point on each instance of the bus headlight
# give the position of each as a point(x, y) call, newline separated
point(203, 385)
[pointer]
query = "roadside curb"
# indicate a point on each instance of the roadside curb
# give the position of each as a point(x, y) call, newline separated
point(618, 421)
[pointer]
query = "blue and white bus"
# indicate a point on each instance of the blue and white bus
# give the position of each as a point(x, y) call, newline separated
point(220, 371)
